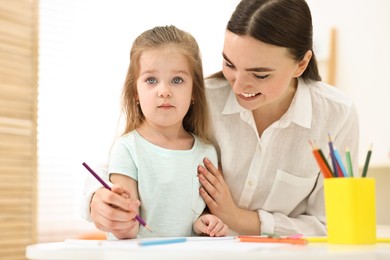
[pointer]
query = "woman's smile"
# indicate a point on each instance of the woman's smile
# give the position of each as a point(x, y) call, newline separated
point(248, 96)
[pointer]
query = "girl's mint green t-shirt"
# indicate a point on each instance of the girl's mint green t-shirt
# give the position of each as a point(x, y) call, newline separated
point(168, 185)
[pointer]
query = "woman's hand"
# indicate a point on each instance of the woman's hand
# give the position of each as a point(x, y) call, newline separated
point(210, 225)
point(113, 211)
point(220, 203)
point(215, 192)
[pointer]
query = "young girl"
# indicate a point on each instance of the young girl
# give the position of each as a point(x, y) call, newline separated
point(165, 137)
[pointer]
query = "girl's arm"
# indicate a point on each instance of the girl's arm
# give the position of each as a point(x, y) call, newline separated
point(130, 194)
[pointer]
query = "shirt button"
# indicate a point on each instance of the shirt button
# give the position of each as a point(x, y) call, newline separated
point(250, 182)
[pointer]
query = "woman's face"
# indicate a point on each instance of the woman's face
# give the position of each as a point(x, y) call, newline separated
point(260, 74)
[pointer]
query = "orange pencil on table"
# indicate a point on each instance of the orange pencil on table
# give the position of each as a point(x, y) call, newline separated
point(262, 239)
point(321, 161)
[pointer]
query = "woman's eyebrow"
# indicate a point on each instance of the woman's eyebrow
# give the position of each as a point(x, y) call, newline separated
point(226, 58)
point(256, 69)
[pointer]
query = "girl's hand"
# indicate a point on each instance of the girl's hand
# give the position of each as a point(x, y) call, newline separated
point(210, 225)
point(113, 211)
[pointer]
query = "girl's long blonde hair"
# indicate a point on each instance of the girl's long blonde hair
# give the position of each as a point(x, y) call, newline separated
point(196, 120)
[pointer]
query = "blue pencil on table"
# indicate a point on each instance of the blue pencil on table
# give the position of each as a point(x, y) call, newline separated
point(105, 185)
point(162, 241)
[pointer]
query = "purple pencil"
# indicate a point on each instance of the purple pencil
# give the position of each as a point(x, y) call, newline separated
point(333, 158)
point(105, 185)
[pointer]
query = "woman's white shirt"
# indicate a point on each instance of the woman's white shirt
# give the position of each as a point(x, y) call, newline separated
point(276, 174)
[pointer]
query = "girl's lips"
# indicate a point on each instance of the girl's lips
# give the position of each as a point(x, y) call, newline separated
point(166, 106)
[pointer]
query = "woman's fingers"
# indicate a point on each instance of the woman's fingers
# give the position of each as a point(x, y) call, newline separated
point(212, 181)
point(120, 198)
point(113, 212)
point(110, 219)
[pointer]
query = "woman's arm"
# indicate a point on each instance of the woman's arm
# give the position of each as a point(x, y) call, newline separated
point(217, 196)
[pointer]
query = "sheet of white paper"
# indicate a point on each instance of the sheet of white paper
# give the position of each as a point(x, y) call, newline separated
point(204, 244)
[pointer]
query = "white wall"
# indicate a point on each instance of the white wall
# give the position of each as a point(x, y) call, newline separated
point(363, 65)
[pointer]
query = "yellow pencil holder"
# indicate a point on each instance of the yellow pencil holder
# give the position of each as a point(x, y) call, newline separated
point(350, 210)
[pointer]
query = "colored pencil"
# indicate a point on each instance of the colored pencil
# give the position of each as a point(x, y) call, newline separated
point(105, 185)
point(324, 167)
point(155, 242)
point(261, 239)
point(365, 169)
point(333, 157)
point(326, 162)
point(349, 162)
point(340, 163)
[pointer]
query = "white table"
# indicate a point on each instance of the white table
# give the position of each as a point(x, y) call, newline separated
point(203, 249)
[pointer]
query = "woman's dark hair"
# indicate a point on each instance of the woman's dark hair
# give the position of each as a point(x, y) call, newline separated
point(284, 23)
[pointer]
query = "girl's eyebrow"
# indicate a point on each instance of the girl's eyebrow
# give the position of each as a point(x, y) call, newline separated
point(181, 72)
point(148, 72)
point(257, 69)
point(174, 71)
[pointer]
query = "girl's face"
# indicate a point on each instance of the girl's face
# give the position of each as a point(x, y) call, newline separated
point(260, 74)
point(164, 86)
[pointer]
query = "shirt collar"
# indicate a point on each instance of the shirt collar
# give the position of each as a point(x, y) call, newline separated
point(299, 112)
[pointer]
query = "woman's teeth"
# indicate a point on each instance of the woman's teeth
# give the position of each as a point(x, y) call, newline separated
point(248, 94)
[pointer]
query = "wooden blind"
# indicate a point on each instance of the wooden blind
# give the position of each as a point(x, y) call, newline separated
point(18, 117)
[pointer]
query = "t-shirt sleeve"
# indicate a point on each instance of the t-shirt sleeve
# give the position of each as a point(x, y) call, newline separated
point(121, 160)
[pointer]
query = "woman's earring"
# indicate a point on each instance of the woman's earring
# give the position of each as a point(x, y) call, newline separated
point(192, 102)
point(137, 102)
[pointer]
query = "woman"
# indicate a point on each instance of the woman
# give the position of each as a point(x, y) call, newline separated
point(265, 105)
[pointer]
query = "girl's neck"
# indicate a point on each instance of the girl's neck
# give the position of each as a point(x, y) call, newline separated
point(174, 138)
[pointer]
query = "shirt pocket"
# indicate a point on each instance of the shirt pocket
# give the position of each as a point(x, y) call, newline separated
point(197, 203)
point(287, 192)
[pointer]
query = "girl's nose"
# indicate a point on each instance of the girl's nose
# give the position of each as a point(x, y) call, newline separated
point(164, 90)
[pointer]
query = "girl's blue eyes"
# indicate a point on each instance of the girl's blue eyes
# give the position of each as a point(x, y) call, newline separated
point(151, 80)
point(176, 80)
